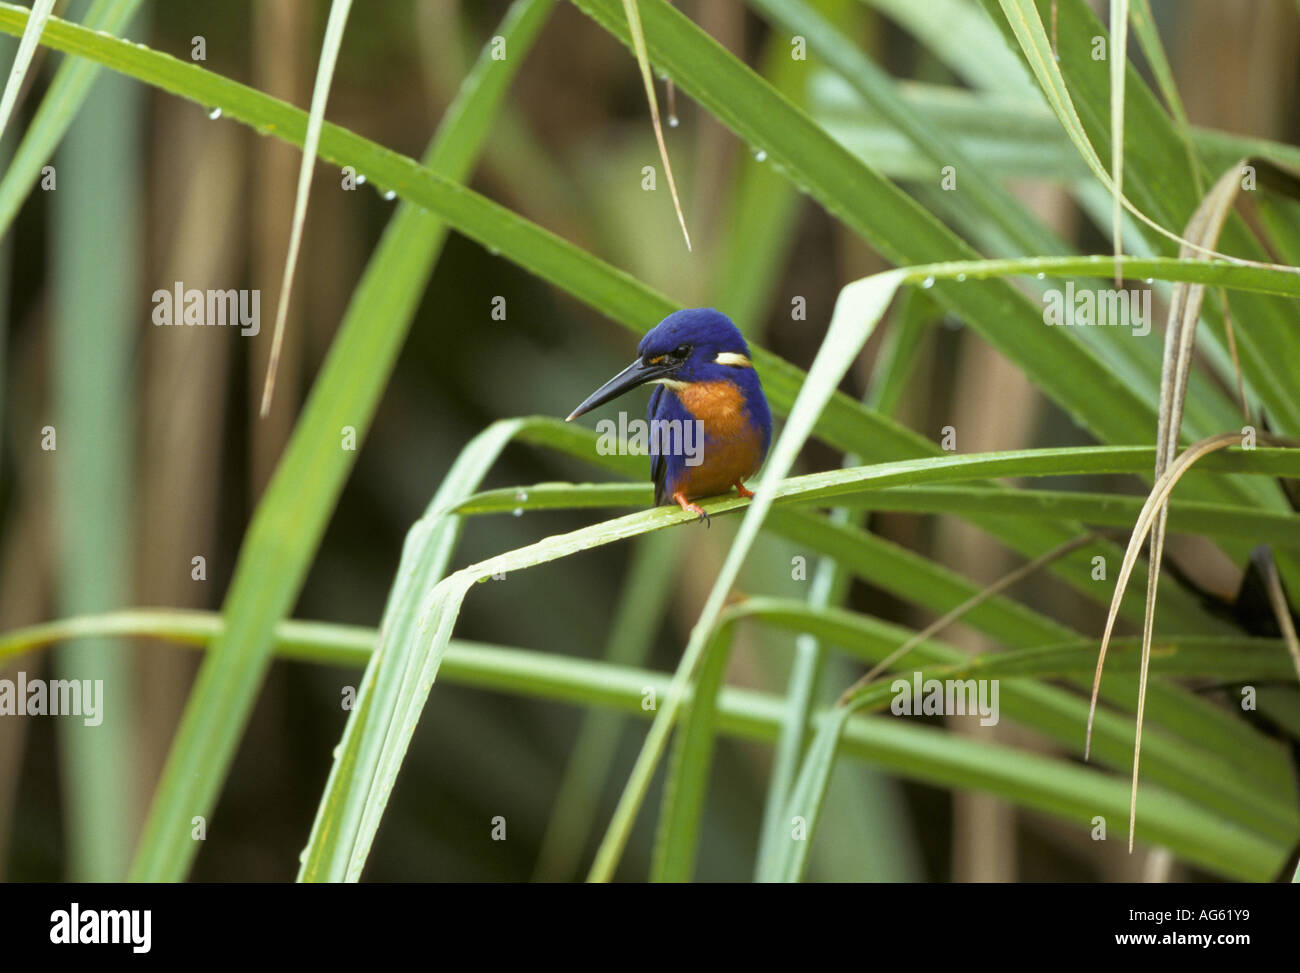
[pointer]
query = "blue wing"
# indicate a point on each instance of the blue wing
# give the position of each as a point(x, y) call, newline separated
point(658, 463)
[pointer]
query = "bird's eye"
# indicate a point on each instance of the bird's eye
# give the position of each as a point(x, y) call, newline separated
point(681, 351)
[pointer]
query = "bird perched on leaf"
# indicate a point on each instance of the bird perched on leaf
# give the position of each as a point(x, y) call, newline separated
point(700, 365)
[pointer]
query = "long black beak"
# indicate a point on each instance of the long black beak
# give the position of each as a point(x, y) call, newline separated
point(638, 373)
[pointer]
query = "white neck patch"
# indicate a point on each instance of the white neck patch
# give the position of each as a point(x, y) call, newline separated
point(733, 358)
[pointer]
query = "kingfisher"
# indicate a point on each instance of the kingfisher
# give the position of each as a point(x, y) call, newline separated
point(699, 363)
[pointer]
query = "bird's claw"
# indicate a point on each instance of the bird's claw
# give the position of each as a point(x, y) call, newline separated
point(692, 508)
point(745, 493)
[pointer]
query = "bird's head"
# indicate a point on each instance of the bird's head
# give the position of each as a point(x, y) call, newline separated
point(695, 345)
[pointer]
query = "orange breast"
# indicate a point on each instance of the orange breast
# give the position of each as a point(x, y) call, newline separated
point(733, 444)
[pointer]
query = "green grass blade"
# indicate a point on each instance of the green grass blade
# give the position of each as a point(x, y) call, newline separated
point(93, 354)
point(762, 207)
point(992, 204)
point(642, 603)
point(1144, 25)
point(871, 558)
point(687, 781)
point(875, 209)
point(1249, 782)
point(338, 845)
point(914, 578)
point(1118, 61)
point(603, 287)
point(829, 586)
point(1008, 135)
point(634, 305)
point(1159, 178)
point(761, 214)
point(1227, 658)
point(961, 37)
point(810, 791)
point(859, 307)
point(62, 101)
point(955, 467)
point(418, 236)
point(1022, 16)
point(1073, 793)
point(887, 848)
point(291, 518)
point(1055, 359)
point(332, 848)
point(1099, 509)
point(803, 811)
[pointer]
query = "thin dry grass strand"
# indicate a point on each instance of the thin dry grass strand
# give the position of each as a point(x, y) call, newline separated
point(939, 624)
point(1231, 334)
point(36, 20)
point(1140, 529)
point(324, 74)
point(1180, 342)
point(643, 59)
point(1150, 513)
point(1277, 598)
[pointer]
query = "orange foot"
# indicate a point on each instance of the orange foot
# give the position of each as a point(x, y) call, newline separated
point(740, 488)
point(689, 507)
